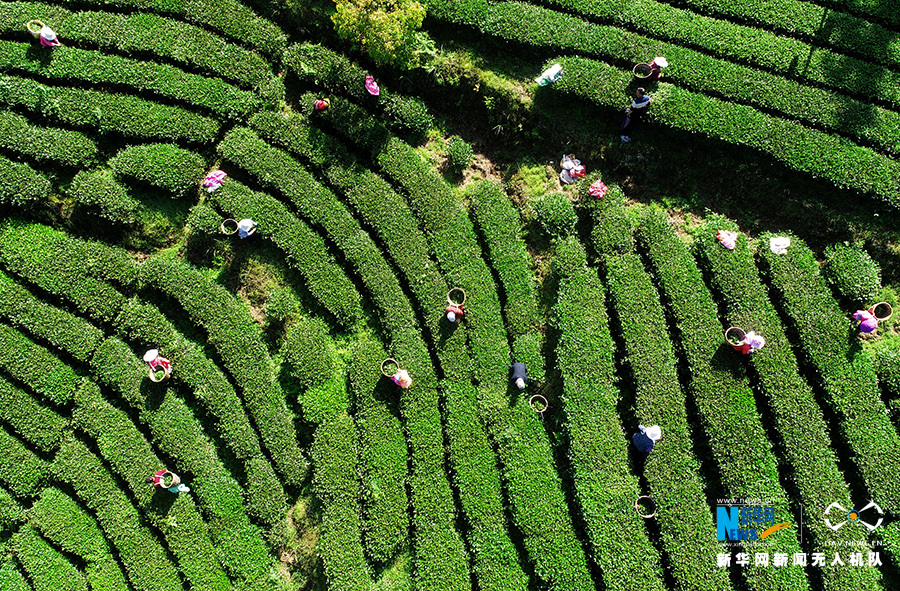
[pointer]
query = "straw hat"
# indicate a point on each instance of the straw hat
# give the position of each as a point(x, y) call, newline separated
point(654, 432)
point(151, 355)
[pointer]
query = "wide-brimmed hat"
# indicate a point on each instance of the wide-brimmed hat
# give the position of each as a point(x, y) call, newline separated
point(654, 432)
point(151, 355)
point(661, 62)
point(48, 34)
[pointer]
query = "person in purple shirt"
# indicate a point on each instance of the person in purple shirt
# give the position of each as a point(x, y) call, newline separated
point(646, 438)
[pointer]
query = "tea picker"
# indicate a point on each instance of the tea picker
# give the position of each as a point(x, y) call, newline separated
point(572, 169)
point(646, 437)
point(214, 180)
point(869, 319)
point(158, 364)
point(550, 75)
point(372, 86)
point(634, 113)
point(399, 377)
point(454, 310)
point(519, 375)
point(650, 72)
point(322, 104)
point(744, 342)
point(43, 33)
point(165, 479)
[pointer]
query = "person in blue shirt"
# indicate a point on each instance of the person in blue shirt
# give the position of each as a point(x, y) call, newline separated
point(634, 113)
point(646, 438)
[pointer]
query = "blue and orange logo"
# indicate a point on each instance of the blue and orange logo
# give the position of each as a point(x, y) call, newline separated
point(746, 523)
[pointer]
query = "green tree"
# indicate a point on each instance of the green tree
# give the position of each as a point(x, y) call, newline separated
point(386, 29)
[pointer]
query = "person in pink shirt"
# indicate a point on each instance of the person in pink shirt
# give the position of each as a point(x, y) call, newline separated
point(867, 321)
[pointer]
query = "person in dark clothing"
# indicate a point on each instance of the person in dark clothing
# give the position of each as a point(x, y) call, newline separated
point(519, 376)
point(646, 438)
point(634, 113)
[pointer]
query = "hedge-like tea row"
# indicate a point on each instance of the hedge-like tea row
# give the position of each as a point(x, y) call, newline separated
point(10, 511)
point(21, 472)
point(10, 577)
point(179, 435)
point(318, 65)
point(36, 424)
point(886, 363)
point(805, 20)
point(165, 166)
point(130, 456)
point(229, 17)
point(758, 47)
point(807, 150)
point(852, 273)
point(725, 401)
point(671, 471)
point(47, 569)
point(538, 505)
point(145, 324)
point(305, 249)
point(702, 73)
point(798, 419)
point(382, 459)
point(19, 135)
point(236, 339)
point(334, 456)
point(145, 561)
point(101, 112)
point(470, 452)
point(32, 364)
point(844, 369)
point(498, 222)
point(871, 9)
point(598, 449)
point(20, 184)
point(61, 520)
point(99, 191)
point(70, 64)
point(440, 556)
point(144, 32)
point(63, 330)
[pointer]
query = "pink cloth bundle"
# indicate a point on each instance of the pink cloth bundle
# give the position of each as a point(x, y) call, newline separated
point(214, 180)
point(372, 86)
point(598, 189)
point(728, 239)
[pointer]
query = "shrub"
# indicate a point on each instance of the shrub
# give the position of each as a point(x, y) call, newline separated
point(18, 134)
point(613, 229)
point(10, 511)
point(306, 352)
point(887, 365)
point(20, 184)
point(130, 456)
point(334, 456)
point(323, 67)
point(70, 64)
point(282, 305)
point(598, 454)
point(556, 215)
point(34, 365)
point(146, 562)
point(797, 415)
point(165, 166)
point(459, 155)
point(533, 486)
point(11, 578)
point(853, 274)
point(63, 330)
point(204, 219)
point(728, 412)
point(47, 569)
point(21, 471)
point(103, 112)
point(672, 472)
point(842, 369)
point(36, 424)
point(100, 191)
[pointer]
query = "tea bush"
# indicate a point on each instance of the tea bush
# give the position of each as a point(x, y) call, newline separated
point(164, 166)
point(459, 155)
point(853, 274)
point(20, 184)
point(556, 215)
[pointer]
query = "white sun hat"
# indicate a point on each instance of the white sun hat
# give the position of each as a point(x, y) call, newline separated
point(661, 62)
point(654, 432)
point(48, 34)
point(151, 355)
